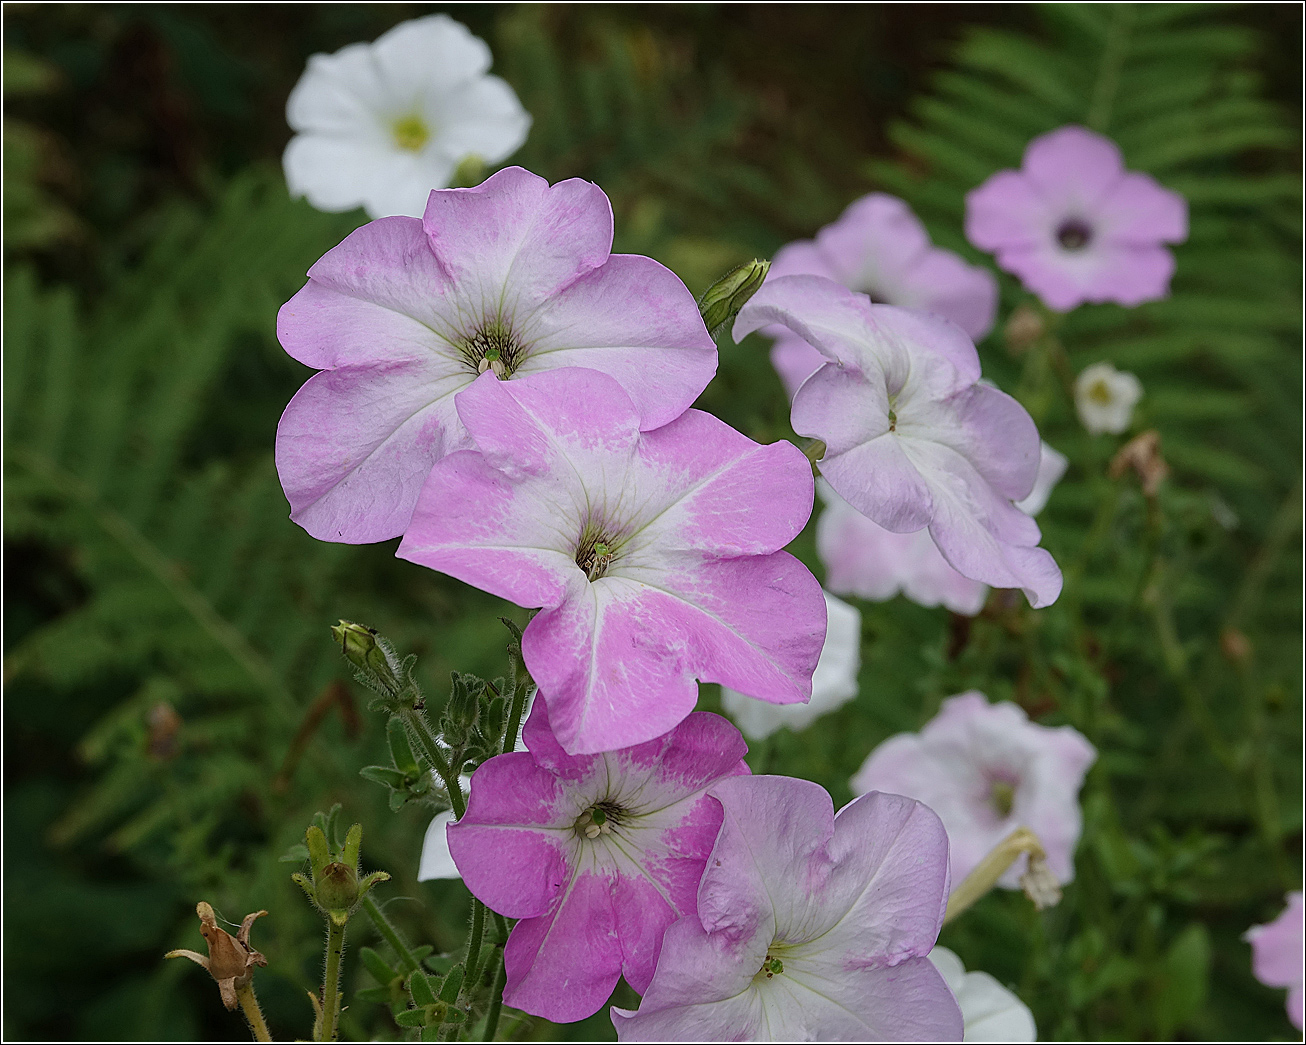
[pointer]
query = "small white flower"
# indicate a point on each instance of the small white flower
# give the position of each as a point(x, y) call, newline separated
point(1105, 398)
point(834, 682)
point(990, 1011)
point(382, 124)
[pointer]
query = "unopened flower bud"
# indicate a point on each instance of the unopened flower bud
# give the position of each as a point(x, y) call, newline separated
point(337, 888)
point(362, 647)
point(722, 301)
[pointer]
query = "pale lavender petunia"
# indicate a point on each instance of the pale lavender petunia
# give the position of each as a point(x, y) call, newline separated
point(913, 438)
point(655, 555)
point(864, 559)
point(878, 247)
point(1075, 226)
point(808, 927)
point(834, 682)
point(595, 854)
point(987, 770)
point(514, 276)
point(1277, 954)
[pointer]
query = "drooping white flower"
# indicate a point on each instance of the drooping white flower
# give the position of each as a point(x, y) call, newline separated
point(834, 682)
point(990, 1011)
point(380, 125)
point(1105, 398)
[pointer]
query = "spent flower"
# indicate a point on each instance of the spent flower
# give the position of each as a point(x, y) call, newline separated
point(380, 125)
point(1075, 226)
point(595, 854)
point(654, 555)
point(987, 770)
point(514, 277)
point(808, 926)
point(913, 438)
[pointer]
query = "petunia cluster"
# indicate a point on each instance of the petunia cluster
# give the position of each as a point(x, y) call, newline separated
point(513, 401)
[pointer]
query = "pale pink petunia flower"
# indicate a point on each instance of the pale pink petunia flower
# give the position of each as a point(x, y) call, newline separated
point(834, 682)
point(380, 125)
point(808, 927)
point(1277, 954)
point(1075, 226)
point(595, 854)
point(655, 556)
point(878, 247)
point(987, 770)
point(913, 438)
point(864, 559)
point(516, 277)
point(990, 1011)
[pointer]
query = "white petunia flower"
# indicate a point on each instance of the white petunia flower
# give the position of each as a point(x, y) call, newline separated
point(382, 124)
point(834, 682)
point(990, 1011)
point(1105, 398)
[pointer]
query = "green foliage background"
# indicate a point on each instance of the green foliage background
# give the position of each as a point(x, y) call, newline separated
point(149, 560)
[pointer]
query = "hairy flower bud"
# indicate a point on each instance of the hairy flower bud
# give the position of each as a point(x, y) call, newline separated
point(722, 301)
point(337, 888)
point(362, 647)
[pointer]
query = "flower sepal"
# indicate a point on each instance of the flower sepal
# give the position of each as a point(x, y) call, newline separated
point(335, 886)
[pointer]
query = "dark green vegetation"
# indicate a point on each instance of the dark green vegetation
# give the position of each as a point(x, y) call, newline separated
point(175, 710)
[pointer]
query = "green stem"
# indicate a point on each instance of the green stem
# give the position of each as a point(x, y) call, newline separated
point(514, 717)
point(250, 1007)
point(331, 981)
point(426, 742)
point(474, 941)
point(390, 933)
point(496, 1003)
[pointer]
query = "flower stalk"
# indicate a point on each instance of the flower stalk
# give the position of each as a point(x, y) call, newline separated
point(1039, 883)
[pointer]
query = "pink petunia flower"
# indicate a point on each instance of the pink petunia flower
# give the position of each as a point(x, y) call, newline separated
point(514, 276)
point(596, 854)
point(913, 438)
point(655, 555)
point(878, 247)
point(987, 770)
point(1277, 954)
point(808, 927)
point(1075, 226)
point(864, 559)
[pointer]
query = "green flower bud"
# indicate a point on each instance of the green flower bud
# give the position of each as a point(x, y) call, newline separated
point(363, 648)
point(337, 887)
point(722, 301)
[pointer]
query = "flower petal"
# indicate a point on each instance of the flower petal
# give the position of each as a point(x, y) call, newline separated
point(431, 54)
point(436, 860)
point(1073, 167)
point(1142, 213)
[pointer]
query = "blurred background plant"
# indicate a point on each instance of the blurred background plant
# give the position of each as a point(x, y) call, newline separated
point(175, 709)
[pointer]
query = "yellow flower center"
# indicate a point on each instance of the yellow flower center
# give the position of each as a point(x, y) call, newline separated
point(1100, 392)
point(411, 133)
point(1002, 794)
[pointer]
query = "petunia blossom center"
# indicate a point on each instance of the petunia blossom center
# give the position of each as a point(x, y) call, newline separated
point(596, 551)
point(1002, 795)
point(493, 347)
point(411, 133)
point(1100, 392)
point(600, 819)
point(1074, 234)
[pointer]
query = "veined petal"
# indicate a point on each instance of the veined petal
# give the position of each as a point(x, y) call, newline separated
point(878, 478)
point(514, 240)
point(634, 320)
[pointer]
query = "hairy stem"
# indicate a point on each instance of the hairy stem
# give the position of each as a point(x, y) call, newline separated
point(496, 1002)
point(390, 934)
point(331, 981)
point(474, 941)
point(250, 1007)
point(429, 747)
point(515, 713)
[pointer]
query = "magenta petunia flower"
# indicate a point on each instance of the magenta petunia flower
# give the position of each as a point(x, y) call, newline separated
point(654, 555)
point(878, 247)
point(808, 927)
point(1277, 954)
point(913, 438)
point(596, 854)
point(987, 770)
point(514, 276)
point(864, 559)
point(1075, 226)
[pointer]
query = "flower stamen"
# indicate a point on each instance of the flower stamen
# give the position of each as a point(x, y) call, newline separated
point(599, 819)
point(411, 133)
point(493, 347)
point(595, 553)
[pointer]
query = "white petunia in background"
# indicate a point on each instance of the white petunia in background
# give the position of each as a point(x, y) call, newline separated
point(989, 1010)
point(834, 682)
point(380, 125)
point(1105, 398)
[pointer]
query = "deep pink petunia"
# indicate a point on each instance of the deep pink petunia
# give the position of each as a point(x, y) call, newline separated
point(1277, 954)
point(655, 555)
point(514, 276)
point(878, 247)
point(987, 770)
point(595, 854)
point(808, 927)
point(913, 438)
point(1075, 226)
